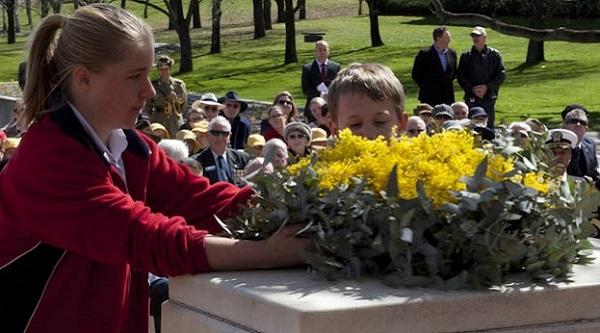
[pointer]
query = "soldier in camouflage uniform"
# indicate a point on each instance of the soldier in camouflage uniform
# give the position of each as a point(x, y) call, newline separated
point(170, 101)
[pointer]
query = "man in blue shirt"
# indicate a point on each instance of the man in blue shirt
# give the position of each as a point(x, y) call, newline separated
point(434, 70)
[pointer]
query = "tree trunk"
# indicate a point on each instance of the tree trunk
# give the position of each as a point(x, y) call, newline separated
point(28, 11)
point(259, 19)
point(44, 8)
point(280, 11)
point(267, 14)
point(195, 12)
point(4, 21)
point(302, 6)
point(10, 13)
point(146, 9)
point(535, 52)
point(185, 63)
point(360, 2)
point(55, 4)
point(291, 55)
point(17, 20)
point(374, 20)
point(76, 4)
point(215, 44)
point(123, 3)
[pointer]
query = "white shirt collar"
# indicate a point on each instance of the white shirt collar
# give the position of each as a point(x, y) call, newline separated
point(215, 155)
point(117, 142)
point(322, 63)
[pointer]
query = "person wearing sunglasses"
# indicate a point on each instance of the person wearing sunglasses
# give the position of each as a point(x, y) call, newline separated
point(584, 162)
point(221, 163)
point(210, 104)
point(297, 136)
point(285, 101)
point(240, 126)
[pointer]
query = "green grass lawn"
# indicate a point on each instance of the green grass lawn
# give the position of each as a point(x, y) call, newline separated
point(254, 67)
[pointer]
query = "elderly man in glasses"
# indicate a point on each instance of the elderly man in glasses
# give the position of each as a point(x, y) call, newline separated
point(584, 162)
point(219, 162)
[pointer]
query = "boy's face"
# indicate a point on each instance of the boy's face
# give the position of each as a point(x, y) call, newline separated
point(368, 118)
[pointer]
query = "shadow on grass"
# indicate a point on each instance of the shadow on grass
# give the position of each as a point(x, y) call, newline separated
point(557, 70)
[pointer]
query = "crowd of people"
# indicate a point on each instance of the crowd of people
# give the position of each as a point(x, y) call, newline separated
point(114, 204)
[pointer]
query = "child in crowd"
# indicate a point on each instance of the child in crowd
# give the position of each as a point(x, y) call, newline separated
point(369, 100)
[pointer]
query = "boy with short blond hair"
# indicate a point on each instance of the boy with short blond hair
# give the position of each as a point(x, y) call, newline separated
point(368, 99)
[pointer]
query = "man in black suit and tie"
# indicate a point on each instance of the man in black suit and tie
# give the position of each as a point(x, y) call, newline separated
point(584, 162)
point(434, 70)
point(219, 162)
point(317, 75)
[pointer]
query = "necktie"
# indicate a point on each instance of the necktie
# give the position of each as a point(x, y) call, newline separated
point(222, 172)
point(323, 72)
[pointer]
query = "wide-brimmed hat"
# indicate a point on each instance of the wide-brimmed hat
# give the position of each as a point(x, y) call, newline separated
point(188, 136)
point(232, 96)
point(318, 135)
point(210, 99)
point(159, 127)
point(201, 126)
point(255, 140)
point(485, 132)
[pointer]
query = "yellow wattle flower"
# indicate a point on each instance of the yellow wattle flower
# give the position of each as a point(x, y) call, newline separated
point(438, 161)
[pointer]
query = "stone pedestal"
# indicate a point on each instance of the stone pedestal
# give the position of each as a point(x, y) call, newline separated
point(294, 301)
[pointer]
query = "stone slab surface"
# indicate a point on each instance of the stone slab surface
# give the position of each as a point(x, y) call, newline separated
point(184, 320)
point(294, 301)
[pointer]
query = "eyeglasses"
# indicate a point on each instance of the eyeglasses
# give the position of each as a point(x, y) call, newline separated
point(282, 102)
point(219, 133)
point(414, 131)
point(211, 109)
point(577, 121)
point(296, 136)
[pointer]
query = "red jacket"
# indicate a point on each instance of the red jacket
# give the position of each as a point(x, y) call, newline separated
point(76, 243)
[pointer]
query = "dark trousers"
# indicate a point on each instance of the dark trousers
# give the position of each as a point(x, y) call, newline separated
point(159, 293)
point(488, 104)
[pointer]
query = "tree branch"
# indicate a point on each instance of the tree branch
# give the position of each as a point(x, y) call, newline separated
point(557, 34)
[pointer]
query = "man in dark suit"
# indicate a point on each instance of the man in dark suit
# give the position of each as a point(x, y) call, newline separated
point(219, 162)
point(317, 75)
point(434, 70)
point(584, 162)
